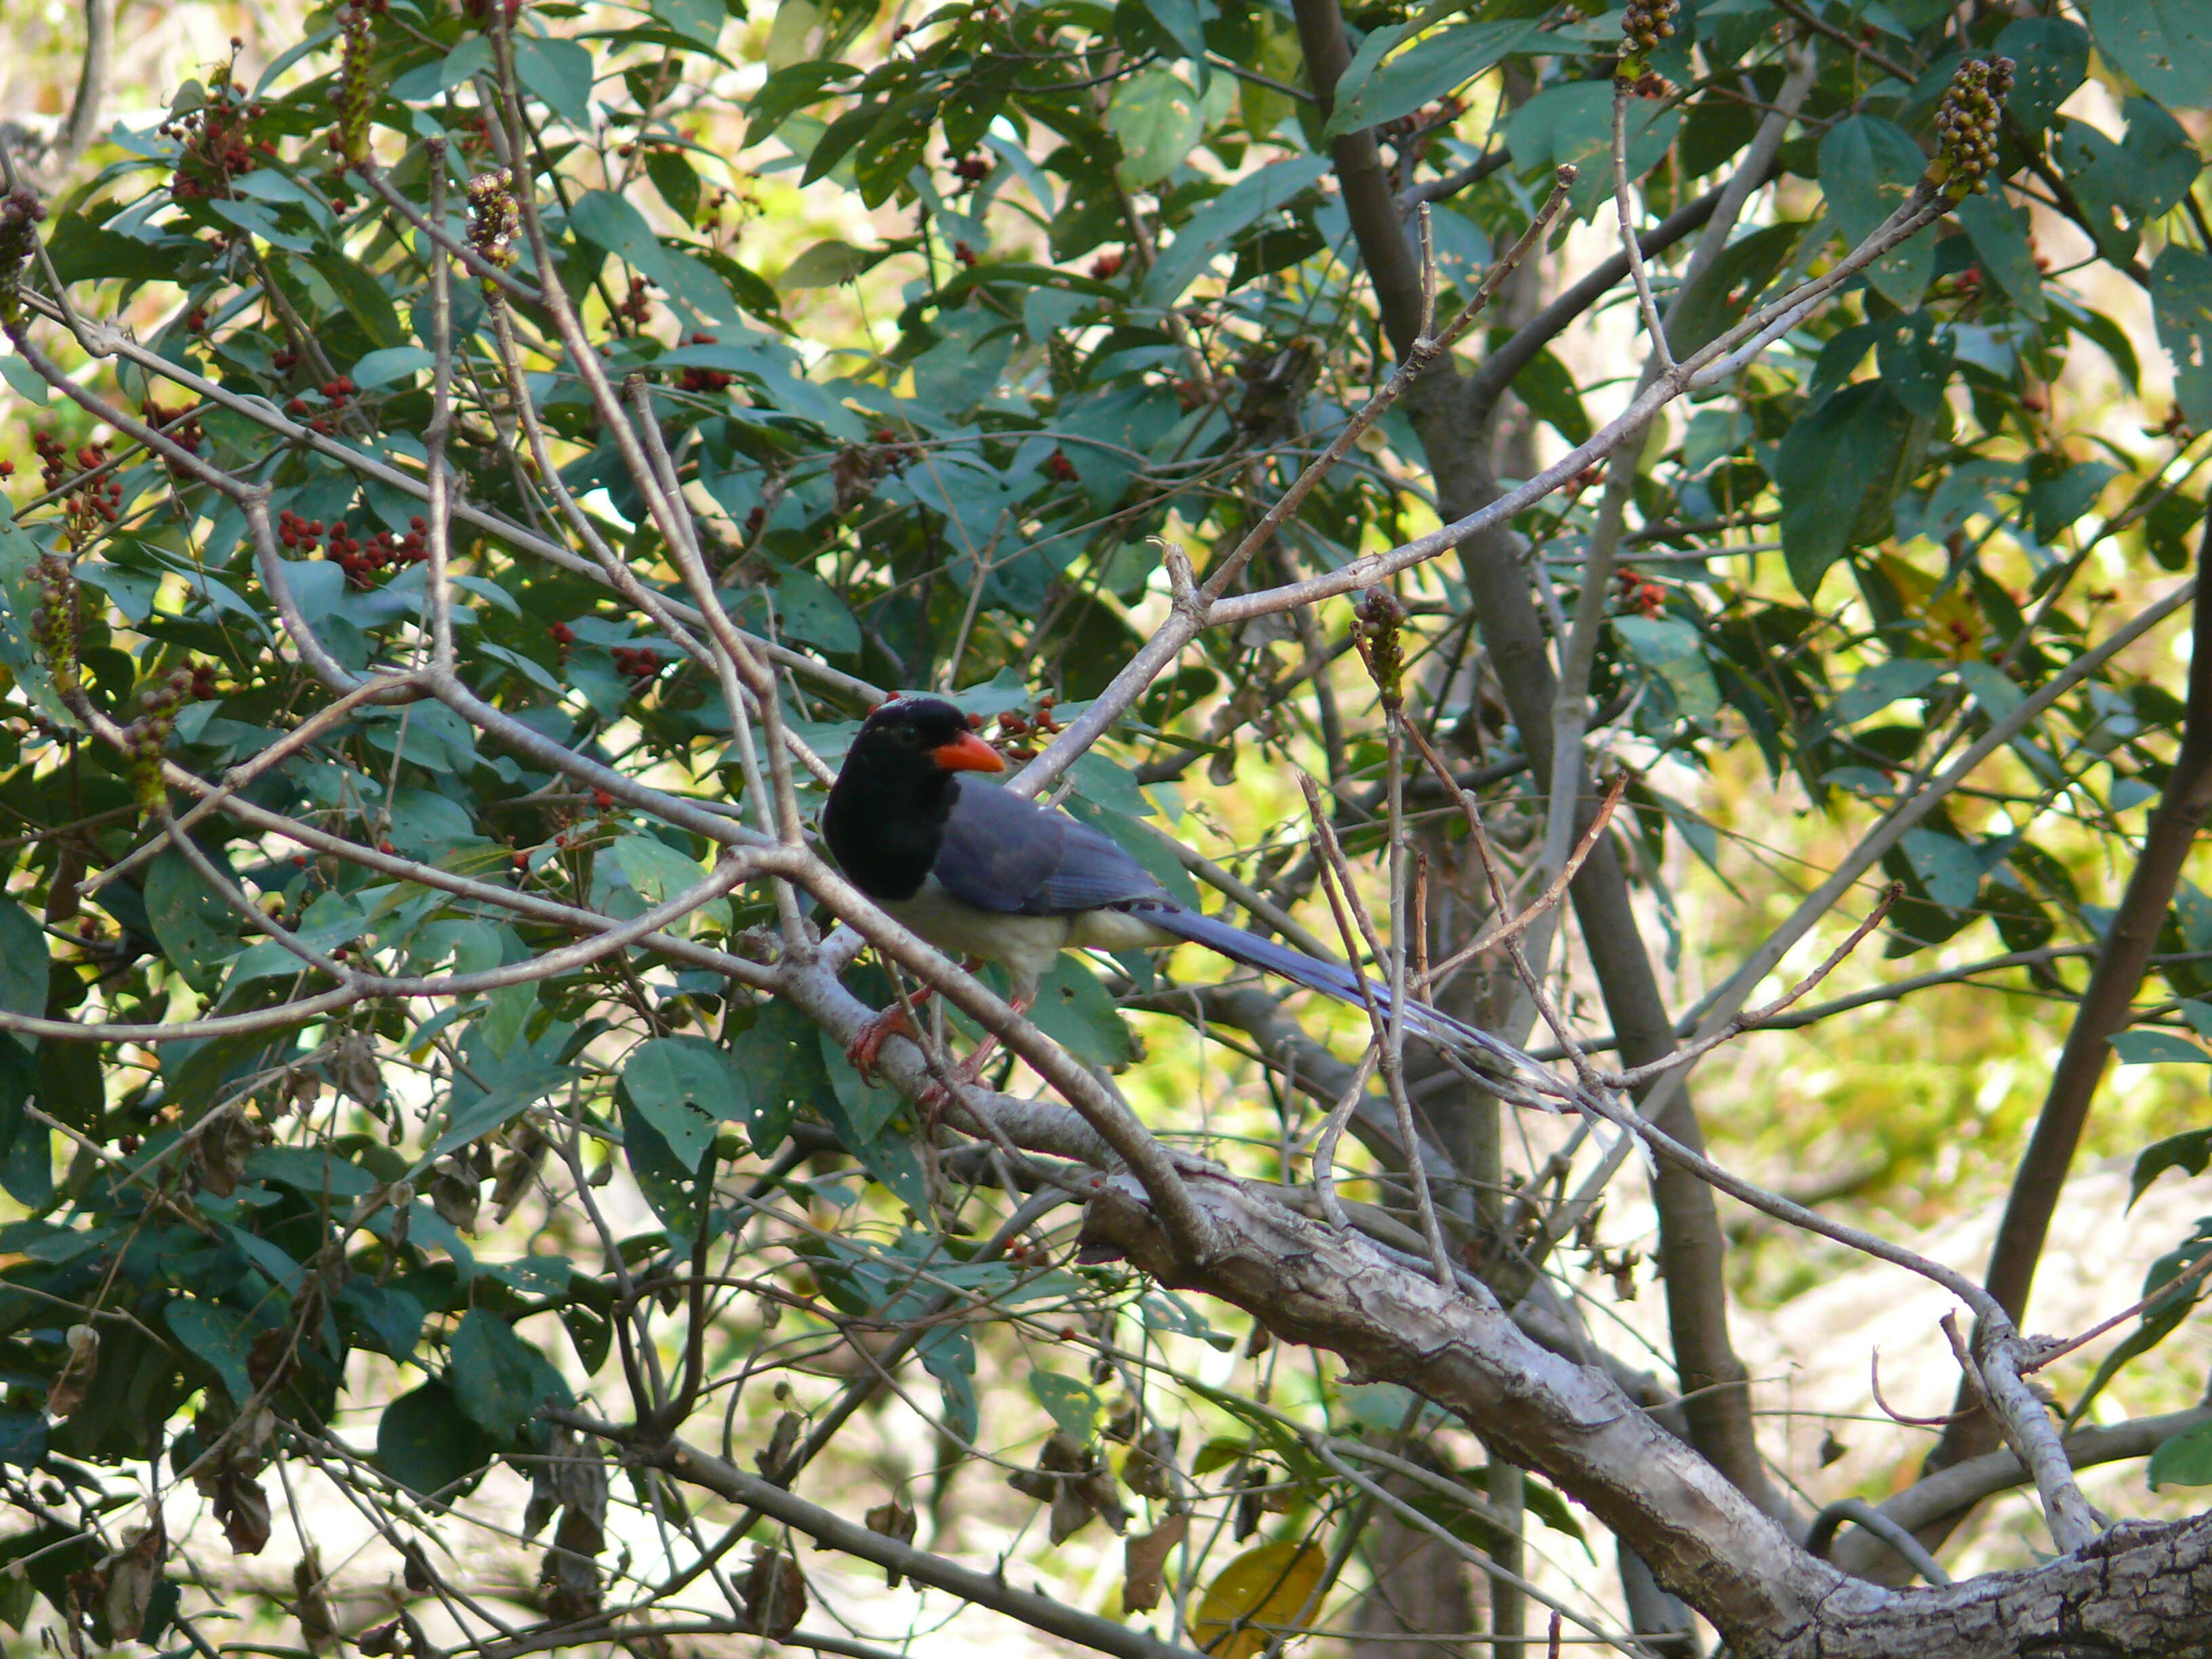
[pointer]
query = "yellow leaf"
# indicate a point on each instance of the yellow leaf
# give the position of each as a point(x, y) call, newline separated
point(1257, 1597)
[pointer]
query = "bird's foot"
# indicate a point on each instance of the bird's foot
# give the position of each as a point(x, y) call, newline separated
point(865, 1049)
point(968, 1073)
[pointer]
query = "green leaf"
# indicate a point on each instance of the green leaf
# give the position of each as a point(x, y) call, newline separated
point(859, 1113)
point(1999, 232)
point(1548, 387)
point(673, 1190)
point(1946, 866)
point(674, 177)
point(695, 20)
point(2159, 162)
point(1179, 21)
point(1837, 468)
point(2163, 1310)
point(789, 90)
point(948, 1353)
point(1914, 361)
point(23, 960)
point(220, 1338)
point(825, 264)
point(393, 1316)
point(382, 368)
point(2181, 307)
point(1158, 120)
point(2183, 1460)
point(1222, 220)
point(24, 380)
point(867, 1107)
point(2149, 1047)
point(83, 252)
point(781, 1064)
point(1726, 288)
point(2051, 58)
point(428, 1445)
point(499, 1380)
point(1074, 1406)
point(1868, 166)
point(685, 1085)
point(2060, 493)
point(364, 299)
point(518, 1090)
point(196, 930)
point(318, 1171)
point(1434, 67)
point(2188, 1152)
point(560, 73)
point(2164, 46)
point(1074, 1010)
point(657, 872)
point(611, 222)
point(1573, 125)
point(1674, 650)
point(428, 826)
point(27, 1156)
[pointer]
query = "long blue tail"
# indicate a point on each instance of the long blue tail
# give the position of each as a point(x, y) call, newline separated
point(1334, 980)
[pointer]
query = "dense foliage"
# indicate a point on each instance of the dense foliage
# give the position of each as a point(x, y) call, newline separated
point(456, 568)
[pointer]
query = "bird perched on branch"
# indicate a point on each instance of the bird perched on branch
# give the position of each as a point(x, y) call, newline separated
point(983, 873)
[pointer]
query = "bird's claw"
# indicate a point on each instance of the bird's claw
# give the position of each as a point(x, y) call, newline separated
point(865, 1050)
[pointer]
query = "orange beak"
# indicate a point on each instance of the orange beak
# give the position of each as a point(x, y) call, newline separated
point(966, 753)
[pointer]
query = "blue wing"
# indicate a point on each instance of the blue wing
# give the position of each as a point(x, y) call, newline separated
point(1004, 854)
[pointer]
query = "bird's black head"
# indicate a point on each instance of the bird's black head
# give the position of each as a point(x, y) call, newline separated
point(921, 735)
point(886, 813)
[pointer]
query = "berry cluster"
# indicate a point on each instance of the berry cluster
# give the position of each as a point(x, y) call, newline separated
point(704, 380)
point(186, 433)
point(53, 620)
point(493, 218)
point(300, 535)
point(1060, 466)
point(639, 664)
point(965, 254)
point(1014, 727)
point(90, 505)
point(215, 140)
point(969, 170)
point(362, 561)
point(1377, 623)
point(283, 359)
point(1646, 596)
point(335, 393)
point(636, 306)
point(20, 214)
point(1966, 124)
point(354, 93)
point(1646, 23)
point(1106, 266)
point(145, 737)
point(562, 636)
point(475, 128)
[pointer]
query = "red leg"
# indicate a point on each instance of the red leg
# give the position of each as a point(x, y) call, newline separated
point(970, 1069)
point(864, 1048)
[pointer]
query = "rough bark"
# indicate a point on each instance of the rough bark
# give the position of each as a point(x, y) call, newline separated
point(2143, 1589)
